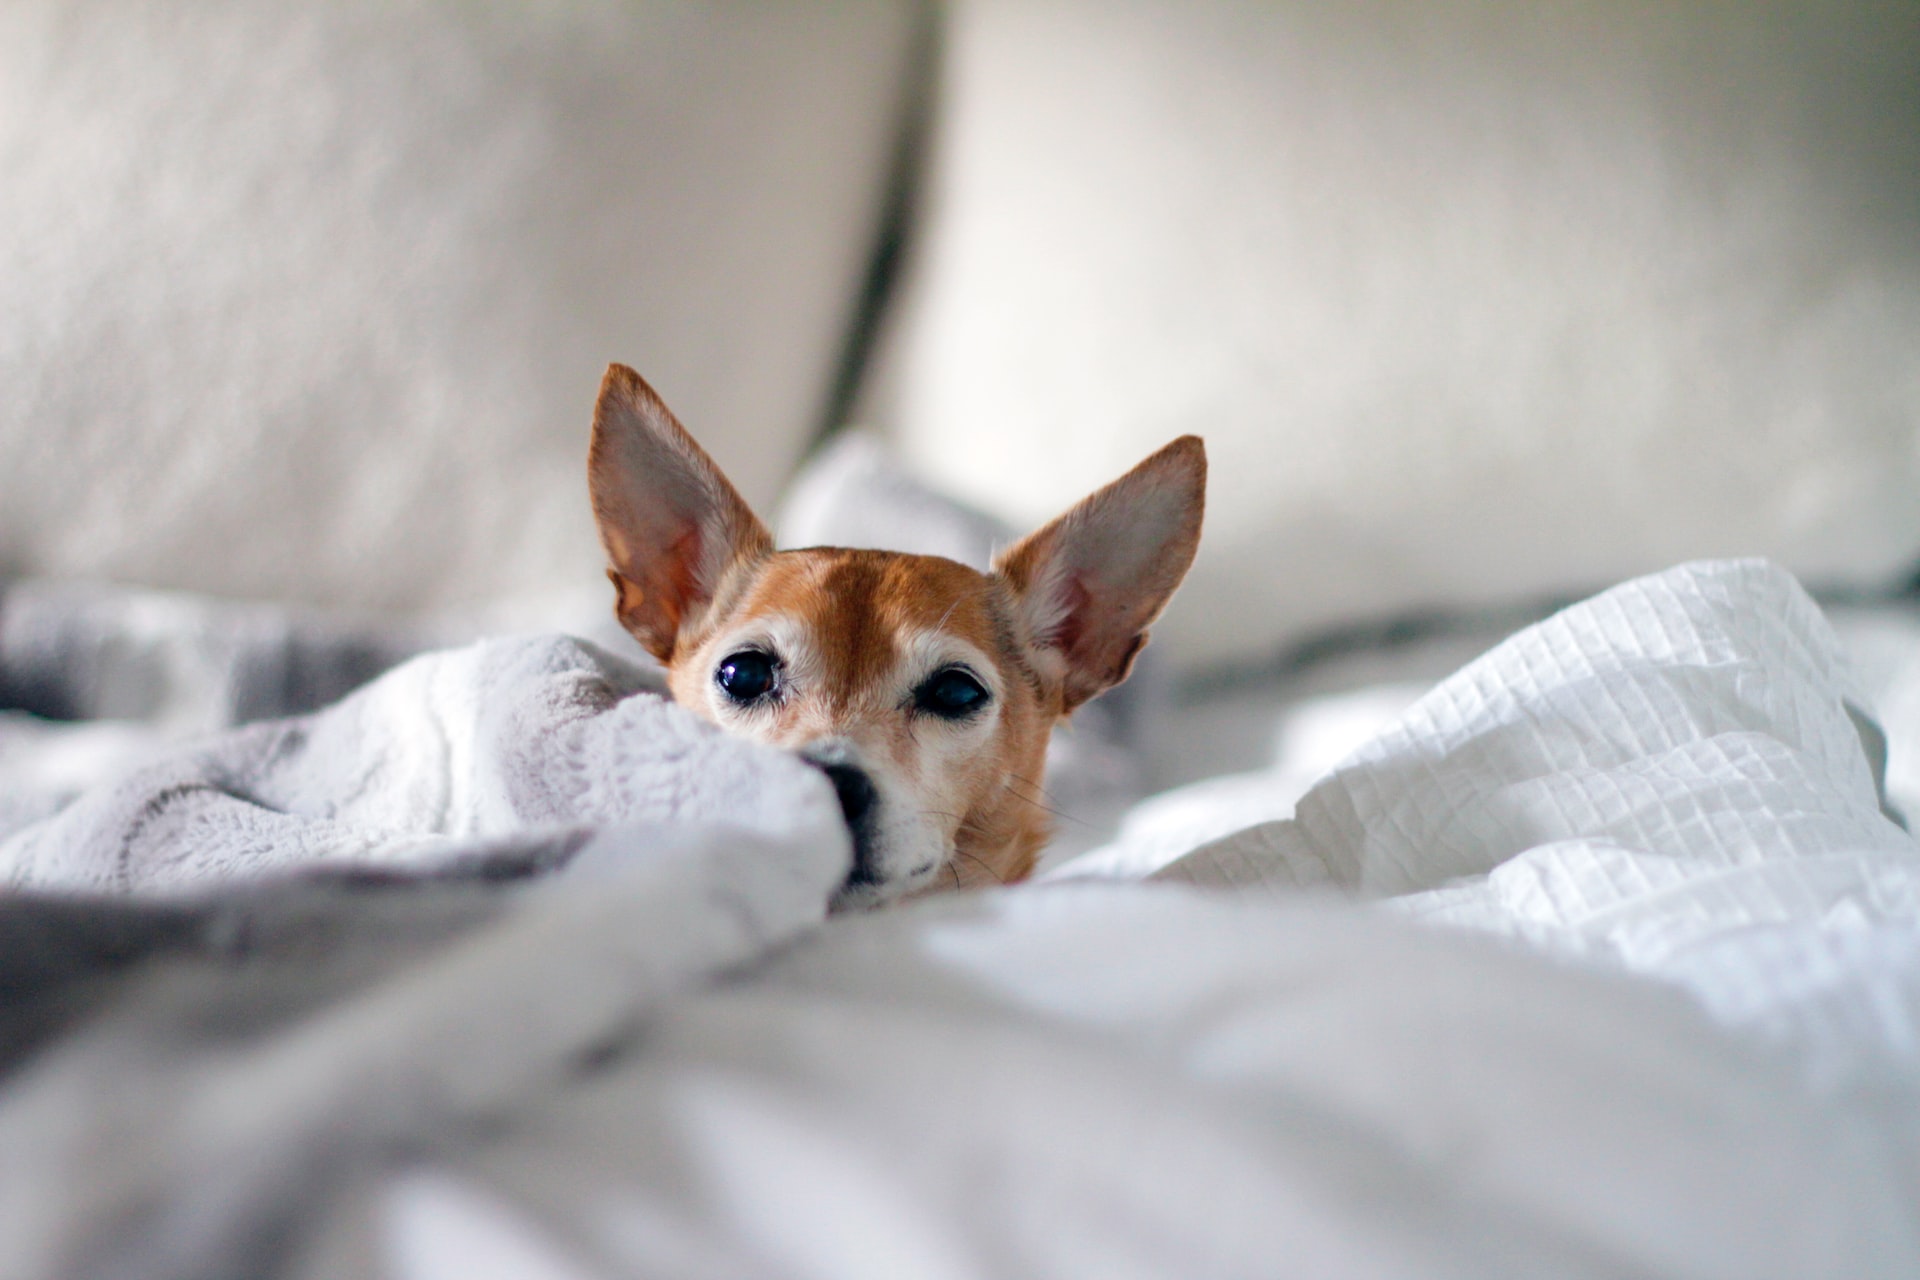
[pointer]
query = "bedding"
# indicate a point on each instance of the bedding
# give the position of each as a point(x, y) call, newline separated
point(1601, 958)
point(509, 742)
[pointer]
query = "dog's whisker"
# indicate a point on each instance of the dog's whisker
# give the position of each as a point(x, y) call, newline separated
point(1021, 778)
point(980, 862)
point(1030, 784)
point(1045, 807)
point(946, 617)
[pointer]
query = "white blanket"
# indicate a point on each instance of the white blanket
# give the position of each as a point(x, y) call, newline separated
point(1692, 1049)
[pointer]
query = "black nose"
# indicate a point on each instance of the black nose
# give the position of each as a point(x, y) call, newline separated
point(857, 794)
point(855, 790)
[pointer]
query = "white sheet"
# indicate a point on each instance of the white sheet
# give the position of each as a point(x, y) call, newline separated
point(1664, 785)
point(1142, 1081)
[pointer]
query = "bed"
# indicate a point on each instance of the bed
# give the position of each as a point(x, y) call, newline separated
point(1600, 957)
point(1499, 863)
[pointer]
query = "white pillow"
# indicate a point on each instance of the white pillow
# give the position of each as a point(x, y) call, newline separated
point(312, 300)
point(1471, 302)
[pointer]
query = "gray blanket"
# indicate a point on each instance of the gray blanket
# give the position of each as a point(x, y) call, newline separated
point(308, 919)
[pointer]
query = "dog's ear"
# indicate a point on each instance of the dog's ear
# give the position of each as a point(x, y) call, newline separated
point(669, 520)
point(1090, 583)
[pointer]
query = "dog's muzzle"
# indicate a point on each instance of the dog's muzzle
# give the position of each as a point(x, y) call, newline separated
point(859, 803)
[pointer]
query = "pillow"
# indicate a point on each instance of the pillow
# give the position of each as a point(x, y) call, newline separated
point(311, 301)
point(1473, 303)
point(854, 493)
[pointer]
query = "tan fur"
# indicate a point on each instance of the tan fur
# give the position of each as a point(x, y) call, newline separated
point(1059, 619)
point(862, 599)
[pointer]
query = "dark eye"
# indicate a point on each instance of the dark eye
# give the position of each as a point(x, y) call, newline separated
point(746, 676)
point(952, 694)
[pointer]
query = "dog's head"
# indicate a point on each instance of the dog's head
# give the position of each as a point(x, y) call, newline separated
point(925, 690)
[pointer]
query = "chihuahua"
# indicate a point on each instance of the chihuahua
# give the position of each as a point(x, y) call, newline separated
point(925, 690)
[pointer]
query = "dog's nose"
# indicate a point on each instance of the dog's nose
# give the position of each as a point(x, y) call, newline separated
point(854, 788)
point(857, 794)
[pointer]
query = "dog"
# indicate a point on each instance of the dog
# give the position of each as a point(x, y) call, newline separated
point(925, 690)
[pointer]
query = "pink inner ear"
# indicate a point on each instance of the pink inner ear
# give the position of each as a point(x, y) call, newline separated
point(1071, 599)
point(657, 593)
point(683, 560)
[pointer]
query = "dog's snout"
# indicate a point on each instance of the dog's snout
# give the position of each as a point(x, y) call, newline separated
point(857, 798)
point(855, 790)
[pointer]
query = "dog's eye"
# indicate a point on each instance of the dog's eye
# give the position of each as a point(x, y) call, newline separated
point(746, 676)
point(952, 694)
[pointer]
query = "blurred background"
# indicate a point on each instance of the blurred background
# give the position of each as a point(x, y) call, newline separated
point(1479, 305)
